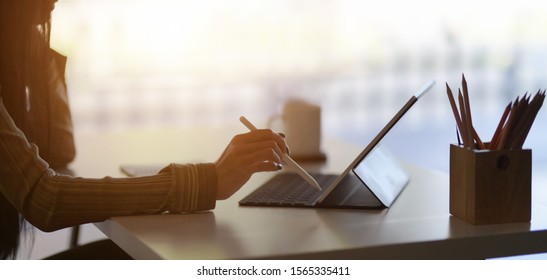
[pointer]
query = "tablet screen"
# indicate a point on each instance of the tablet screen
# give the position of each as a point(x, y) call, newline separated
point(381, 172)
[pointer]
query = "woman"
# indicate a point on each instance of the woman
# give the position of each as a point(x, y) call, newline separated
point(36, 136)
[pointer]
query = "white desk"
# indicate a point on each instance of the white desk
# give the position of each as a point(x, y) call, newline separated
point(418, 225)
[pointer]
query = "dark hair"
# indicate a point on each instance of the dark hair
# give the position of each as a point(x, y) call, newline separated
point(10, 231)
point(24, 45)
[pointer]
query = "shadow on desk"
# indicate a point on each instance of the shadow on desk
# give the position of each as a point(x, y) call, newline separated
point(199, 235)
point(463, 237)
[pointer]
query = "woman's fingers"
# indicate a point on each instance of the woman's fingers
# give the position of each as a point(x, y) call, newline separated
point(248, 160)
point(262, 160)
point(265, 149)
point(261, 135)
point(256, 151)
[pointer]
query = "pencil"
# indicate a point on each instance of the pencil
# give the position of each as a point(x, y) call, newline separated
point(508, 125)
point(513, 127)
point(524, 115)
point(474, 134)
point(466, 102)
point(478, 139)
point(521, 114)
point(496, 136)
point(466, 133)
point(529, 118)
point(454, 110)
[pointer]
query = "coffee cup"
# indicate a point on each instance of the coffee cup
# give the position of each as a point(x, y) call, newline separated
point(300, 121)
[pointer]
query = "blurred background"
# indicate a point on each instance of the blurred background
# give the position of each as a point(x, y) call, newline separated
point(150, 63)
point(180, 63)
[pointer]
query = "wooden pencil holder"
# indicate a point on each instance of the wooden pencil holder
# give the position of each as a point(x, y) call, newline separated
point(490, 186)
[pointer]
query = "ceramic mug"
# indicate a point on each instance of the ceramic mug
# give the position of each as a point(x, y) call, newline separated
point(300, 121)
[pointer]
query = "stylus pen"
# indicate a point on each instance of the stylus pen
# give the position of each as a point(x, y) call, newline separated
point(287, 159)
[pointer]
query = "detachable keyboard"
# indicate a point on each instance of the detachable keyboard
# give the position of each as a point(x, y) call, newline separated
point(288, 189)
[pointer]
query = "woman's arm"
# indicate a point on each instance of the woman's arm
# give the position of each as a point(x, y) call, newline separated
point(51, 201)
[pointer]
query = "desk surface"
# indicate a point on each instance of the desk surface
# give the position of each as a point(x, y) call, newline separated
point(418, 226)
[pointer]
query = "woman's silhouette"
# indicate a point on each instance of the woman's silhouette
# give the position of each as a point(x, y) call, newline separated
point(36, 137)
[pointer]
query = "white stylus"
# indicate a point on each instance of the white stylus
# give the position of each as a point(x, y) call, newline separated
point(288, 160)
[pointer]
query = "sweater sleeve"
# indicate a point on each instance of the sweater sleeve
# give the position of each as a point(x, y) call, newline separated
point(51, 201)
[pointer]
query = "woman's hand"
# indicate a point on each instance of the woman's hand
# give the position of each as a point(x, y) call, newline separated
point(256, 151)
